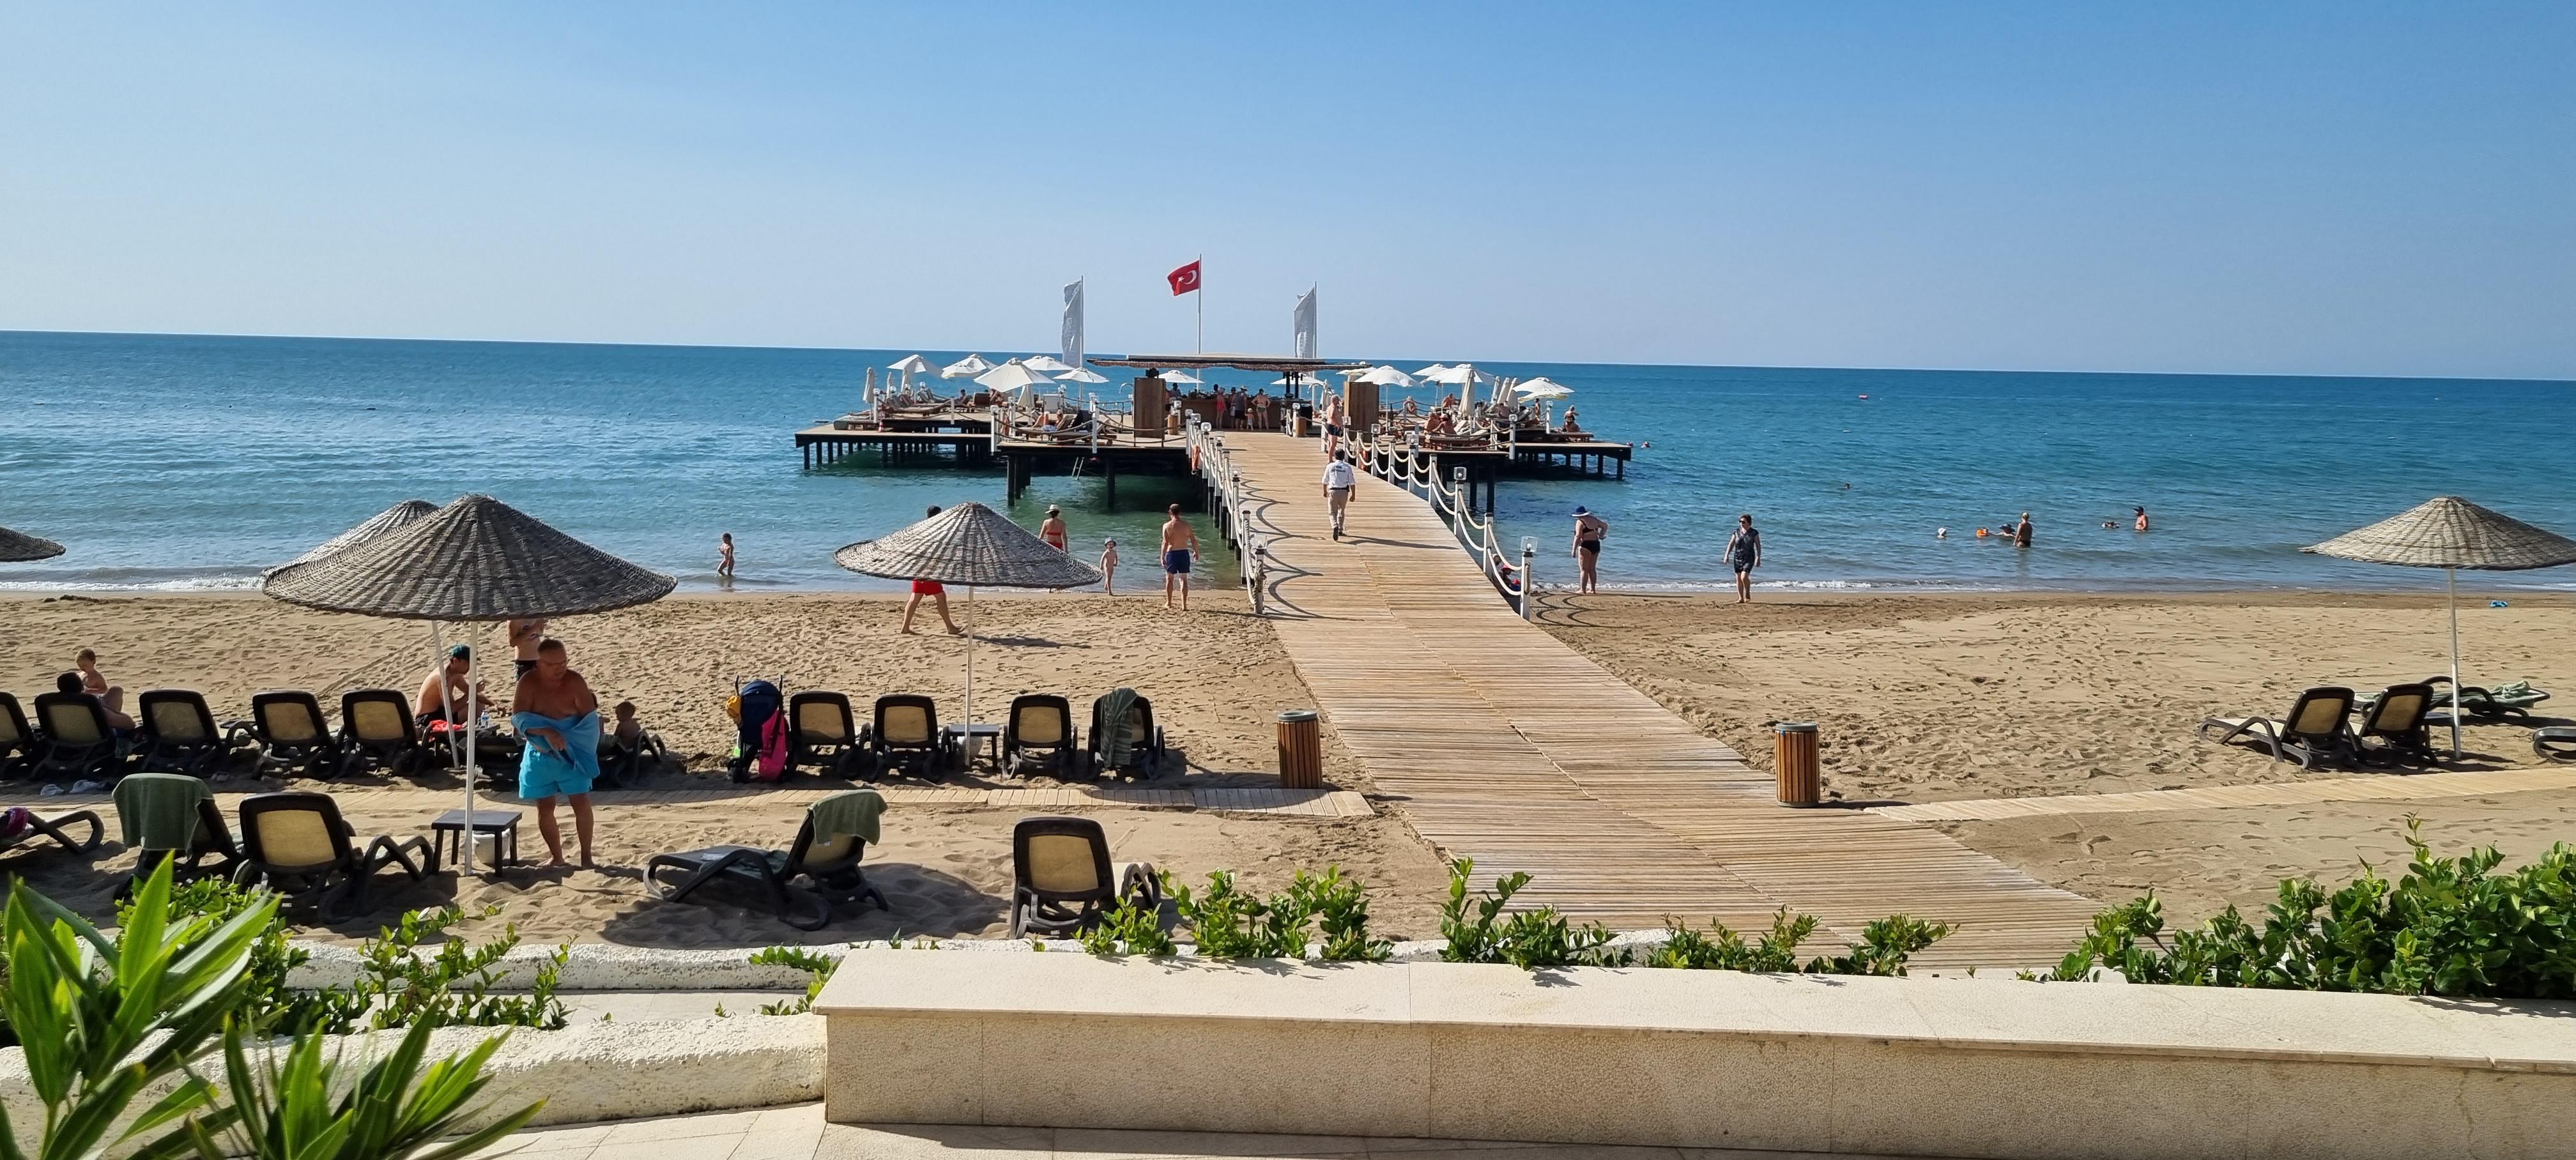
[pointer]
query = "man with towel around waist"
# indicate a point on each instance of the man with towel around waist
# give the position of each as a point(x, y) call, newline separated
point(555, 713)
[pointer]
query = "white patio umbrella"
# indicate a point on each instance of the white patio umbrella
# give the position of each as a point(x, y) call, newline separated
point(1433, 369)
point(2450, 533)
point(1082, 376)
point(910, 365)
point(1541, 388)
point(1012, 376)
point(1180, 377)
point(966, 368)
point(1385, 376)
point(1044, 362)
point(973, 545)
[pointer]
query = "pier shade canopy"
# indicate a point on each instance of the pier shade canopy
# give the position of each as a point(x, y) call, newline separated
point(19, 547)
point(373, 528)
point(476, 559)
point(2450, 533)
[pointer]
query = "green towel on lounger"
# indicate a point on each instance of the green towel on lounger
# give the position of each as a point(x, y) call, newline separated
point(1110, 735)
point(158, 811)
point(854, 812)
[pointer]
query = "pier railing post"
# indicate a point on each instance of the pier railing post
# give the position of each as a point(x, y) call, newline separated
point(1529, 579)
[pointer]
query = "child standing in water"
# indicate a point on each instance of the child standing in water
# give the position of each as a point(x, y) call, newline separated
point(1109, 566)
point(724, 557)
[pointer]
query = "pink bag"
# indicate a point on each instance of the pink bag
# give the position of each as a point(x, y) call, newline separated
point(773, 747)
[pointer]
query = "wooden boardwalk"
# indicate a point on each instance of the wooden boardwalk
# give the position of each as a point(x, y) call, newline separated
point(1501, 744)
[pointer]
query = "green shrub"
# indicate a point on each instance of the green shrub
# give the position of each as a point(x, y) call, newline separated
point(818, 971)
point(394, 1110)
point(1129, 929)
point(2450, 926)
point(1529, 939)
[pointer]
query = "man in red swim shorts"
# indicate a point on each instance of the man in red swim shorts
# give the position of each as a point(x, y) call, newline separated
point(932, 589)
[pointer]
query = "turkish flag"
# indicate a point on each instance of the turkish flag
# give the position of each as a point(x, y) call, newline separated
point(1184, 279)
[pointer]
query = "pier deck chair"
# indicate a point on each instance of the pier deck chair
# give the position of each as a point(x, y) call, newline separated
point(828, 861)
point(1038, 737)
point(79, 742)
point(18, 739)
point(1138, 748)
point(2313, 734)
point(20, 826)
point(297, 845)
point(172, 817)
point(291, 732)
point(821, 730)
point(2555, 742)
point(377, 730)
point(1062, 879)
point(2396, 720)
point(180, 734)
point(905, 734)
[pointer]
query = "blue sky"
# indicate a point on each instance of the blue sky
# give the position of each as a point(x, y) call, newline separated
point(2326, 188)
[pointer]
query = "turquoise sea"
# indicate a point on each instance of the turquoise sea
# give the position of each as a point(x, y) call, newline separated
point(175, 462)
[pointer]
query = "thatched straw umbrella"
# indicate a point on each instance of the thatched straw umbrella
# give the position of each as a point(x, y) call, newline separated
point(375, 527)
point(973, 545)
point(477, 559)
point(2450, 533)
point(19, 547)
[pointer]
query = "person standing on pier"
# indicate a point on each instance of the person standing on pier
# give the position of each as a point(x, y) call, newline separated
point(1052, 531)
point(1339, 481)
point(1180, 542)
point(1744, 551)
point(932, 589)
point(1588, 531)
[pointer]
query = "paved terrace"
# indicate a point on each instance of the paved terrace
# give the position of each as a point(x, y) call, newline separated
point(1501, 744)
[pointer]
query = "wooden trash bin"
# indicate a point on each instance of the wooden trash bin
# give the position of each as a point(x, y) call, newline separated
point(1793, 762)
point(1301, 750)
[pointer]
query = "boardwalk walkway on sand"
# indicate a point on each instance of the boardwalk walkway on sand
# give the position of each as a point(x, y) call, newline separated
point(1501, 744)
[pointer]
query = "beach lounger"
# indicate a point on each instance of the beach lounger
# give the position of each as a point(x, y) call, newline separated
point(20, 826)
point(2313, 734)
point(1138, 748)
point(2555, 742)
point(79, 742)
point(291, 732)
point(906, 734)
point(1062, 879)
point(2396, 719)
point(180, 734)
point(2506, 702)
point(172, 817)
point(1038, 737)
point(830, 843)
point(377, 730)
point(821, 730)
point(297, 845)
point(18, 739)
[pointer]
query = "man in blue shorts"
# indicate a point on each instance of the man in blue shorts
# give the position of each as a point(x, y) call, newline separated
point(1180, 540)
point(558, 719)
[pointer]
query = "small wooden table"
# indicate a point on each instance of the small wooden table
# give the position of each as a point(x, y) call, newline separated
point(447, 834)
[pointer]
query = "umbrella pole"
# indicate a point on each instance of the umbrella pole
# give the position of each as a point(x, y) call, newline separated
point(472, 717)
point(970, 659)
point(2451, 589)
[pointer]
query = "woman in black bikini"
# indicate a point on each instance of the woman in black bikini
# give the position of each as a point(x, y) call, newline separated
point(1588, 530)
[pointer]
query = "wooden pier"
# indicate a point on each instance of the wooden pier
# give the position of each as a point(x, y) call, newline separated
point(1497, 742)
point(1116, 452)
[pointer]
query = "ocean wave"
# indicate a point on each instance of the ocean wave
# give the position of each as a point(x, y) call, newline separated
point(178, 584)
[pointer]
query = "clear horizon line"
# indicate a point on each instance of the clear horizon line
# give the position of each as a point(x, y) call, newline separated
point(2570, 381)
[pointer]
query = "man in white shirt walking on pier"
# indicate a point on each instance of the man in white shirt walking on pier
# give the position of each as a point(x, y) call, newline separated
point(1339, 479)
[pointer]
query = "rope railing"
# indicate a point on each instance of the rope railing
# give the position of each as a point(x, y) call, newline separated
point(1209, 459)
point(1414, 472)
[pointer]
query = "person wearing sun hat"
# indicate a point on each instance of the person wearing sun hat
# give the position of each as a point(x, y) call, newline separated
point(1588, 531)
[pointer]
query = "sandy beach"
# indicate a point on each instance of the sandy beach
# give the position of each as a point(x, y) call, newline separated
point(1925, 698)
point(1216, 676)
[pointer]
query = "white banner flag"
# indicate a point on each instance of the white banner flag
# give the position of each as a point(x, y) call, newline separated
point(1072, 337)
point(1303, 318)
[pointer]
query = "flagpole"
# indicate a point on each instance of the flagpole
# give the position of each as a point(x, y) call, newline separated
point(1198, 294)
